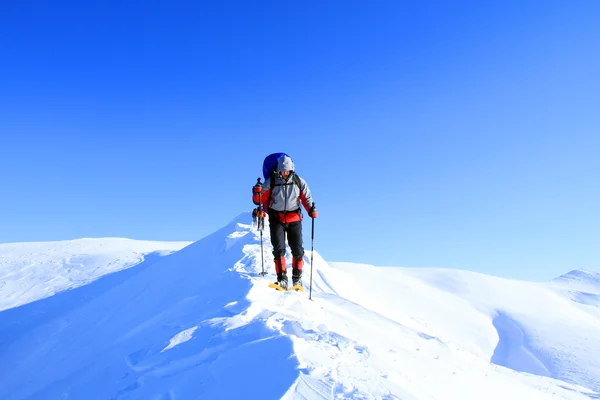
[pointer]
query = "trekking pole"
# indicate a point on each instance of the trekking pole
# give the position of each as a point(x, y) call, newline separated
point(261, 224)
point(312, 249)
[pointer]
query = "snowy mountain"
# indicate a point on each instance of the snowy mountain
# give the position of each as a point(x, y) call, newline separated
point(583, 282)
point(202, 323)
point(33, 271)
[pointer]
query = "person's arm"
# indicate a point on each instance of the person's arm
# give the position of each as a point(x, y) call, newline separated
point(260, 193)
point(305, 196)
point(266, 194)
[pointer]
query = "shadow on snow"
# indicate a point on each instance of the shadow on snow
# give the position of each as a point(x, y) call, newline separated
point(107, 339)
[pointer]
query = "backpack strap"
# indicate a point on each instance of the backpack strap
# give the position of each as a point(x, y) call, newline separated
point(295, 179)
point(273, 176)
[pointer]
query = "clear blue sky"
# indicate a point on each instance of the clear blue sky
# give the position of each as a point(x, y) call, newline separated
point(460, 134)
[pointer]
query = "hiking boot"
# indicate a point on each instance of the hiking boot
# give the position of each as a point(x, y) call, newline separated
point(297, 282)
point(283, 283)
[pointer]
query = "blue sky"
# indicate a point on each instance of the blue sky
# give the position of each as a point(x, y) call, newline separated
point(433, 134)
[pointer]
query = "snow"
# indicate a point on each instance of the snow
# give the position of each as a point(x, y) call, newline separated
point(33, 271)
point(180, 338)
point(202, 323)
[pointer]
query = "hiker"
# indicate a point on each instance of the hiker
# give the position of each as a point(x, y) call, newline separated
point(259, 217)
point(281, 196)
point(254, 216)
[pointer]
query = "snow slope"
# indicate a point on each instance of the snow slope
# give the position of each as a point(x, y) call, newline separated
point(582, 287)
point(202, 323)
point(33, 271)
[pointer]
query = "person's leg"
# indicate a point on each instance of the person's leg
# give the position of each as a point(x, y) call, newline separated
point(294, 231)
point(278, 241)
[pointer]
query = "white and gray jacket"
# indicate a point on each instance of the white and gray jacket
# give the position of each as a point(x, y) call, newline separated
point(286, 195)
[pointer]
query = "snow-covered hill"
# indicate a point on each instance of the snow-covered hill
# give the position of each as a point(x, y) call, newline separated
point(202, 323)
point(33, 271)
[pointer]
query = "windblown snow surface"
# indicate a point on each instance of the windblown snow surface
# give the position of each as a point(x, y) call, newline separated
point(33, 271)
point(201, 323)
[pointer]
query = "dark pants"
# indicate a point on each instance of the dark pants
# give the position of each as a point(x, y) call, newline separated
point(294, 237)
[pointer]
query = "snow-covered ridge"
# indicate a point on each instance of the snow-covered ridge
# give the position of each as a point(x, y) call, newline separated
point(580, 279)
point(35, 270)
point(202, 323)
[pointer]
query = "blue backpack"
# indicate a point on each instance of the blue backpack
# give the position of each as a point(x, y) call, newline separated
point(270, 168)
point(270, 164)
